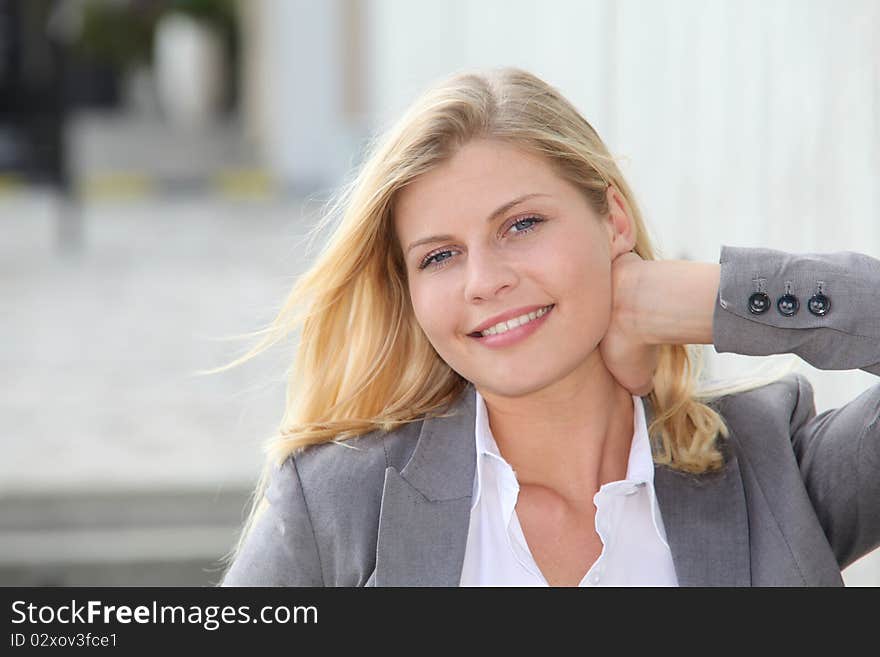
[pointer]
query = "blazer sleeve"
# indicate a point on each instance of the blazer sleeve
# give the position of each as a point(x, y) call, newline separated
point(280, 549)
point(838, 452)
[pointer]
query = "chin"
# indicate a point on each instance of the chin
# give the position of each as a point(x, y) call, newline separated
point(519, 388)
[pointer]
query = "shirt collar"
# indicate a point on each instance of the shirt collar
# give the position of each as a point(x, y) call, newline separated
point(640, 466)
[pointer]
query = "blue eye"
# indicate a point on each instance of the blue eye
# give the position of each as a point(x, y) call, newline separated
point(432, 261)
point(534, 220)
point(429, 260)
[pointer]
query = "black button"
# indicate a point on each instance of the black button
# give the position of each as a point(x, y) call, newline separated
point(759, 303)
point(819, 304)
point(788, 305)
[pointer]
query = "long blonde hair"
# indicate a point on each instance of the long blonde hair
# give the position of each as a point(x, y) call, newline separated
point(363, 362)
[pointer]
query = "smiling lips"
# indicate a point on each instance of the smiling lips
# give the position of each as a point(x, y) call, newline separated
point(513, 330)
point(514, 313)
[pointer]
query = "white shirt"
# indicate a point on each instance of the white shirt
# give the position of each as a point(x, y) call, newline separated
point(628, 520)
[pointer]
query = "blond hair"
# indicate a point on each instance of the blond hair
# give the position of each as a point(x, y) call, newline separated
point(363, 363)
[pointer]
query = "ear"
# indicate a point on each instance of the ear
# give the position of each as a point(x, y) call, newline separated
point(620, 225)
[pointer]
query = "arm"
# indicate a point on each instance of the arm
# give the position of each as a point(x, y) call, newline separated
point(280, 549)
point(704, 303)
point(838, 452)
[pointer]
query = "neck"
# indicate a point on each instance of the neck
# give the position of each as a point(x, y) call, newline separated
point(571, 436)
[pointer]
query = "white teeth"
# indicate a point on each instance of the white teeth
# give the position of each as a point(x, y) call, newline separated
point(503, 327)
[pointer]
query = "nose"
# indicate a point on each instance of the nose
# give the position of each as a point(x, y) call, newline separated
point(488, 275)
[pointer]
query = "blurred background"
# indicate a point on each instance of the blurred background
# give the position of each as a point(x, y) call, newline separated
point(161, 161)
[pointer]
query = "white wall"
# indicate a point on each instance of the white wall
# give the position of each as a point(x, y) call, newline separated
point(294, 49)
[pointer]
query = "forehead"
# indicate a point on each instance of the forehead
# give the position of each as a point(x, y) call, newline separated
point(481, 175)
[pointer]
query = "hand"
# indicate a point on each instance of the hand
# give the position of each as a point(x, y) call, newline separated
point(629, 358)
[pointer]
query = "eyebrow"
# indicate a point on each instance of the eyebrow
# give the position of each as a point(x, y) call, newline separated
point(491, 217)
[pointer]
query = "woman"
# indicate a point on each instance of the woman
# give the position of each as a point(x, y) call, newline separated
point(494, 382)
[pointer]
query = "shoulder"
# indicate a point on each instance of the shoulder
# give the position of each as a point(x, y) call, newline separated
point(764, 419)
point(779, 406)
point(342, 473)
point(333, 493)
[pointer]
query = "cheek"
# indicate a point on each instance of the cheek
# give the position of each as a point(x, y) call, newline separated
point(588, 287)
point(433, 311)
point(586, 268)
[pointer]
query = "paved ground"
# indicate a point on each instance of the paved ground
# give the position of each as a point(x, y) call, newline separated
point(98, 345)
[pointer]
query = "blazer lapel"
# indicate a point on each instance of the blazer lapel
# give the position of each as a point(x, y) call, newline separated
point(425, 512)
point(706, 522)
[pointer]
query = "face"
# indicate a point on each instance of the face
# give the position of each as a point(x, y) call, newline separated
point(550, 249)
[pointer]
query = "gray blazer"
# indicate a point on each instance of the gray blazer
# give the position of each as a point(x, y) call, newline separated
point(797, 500)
